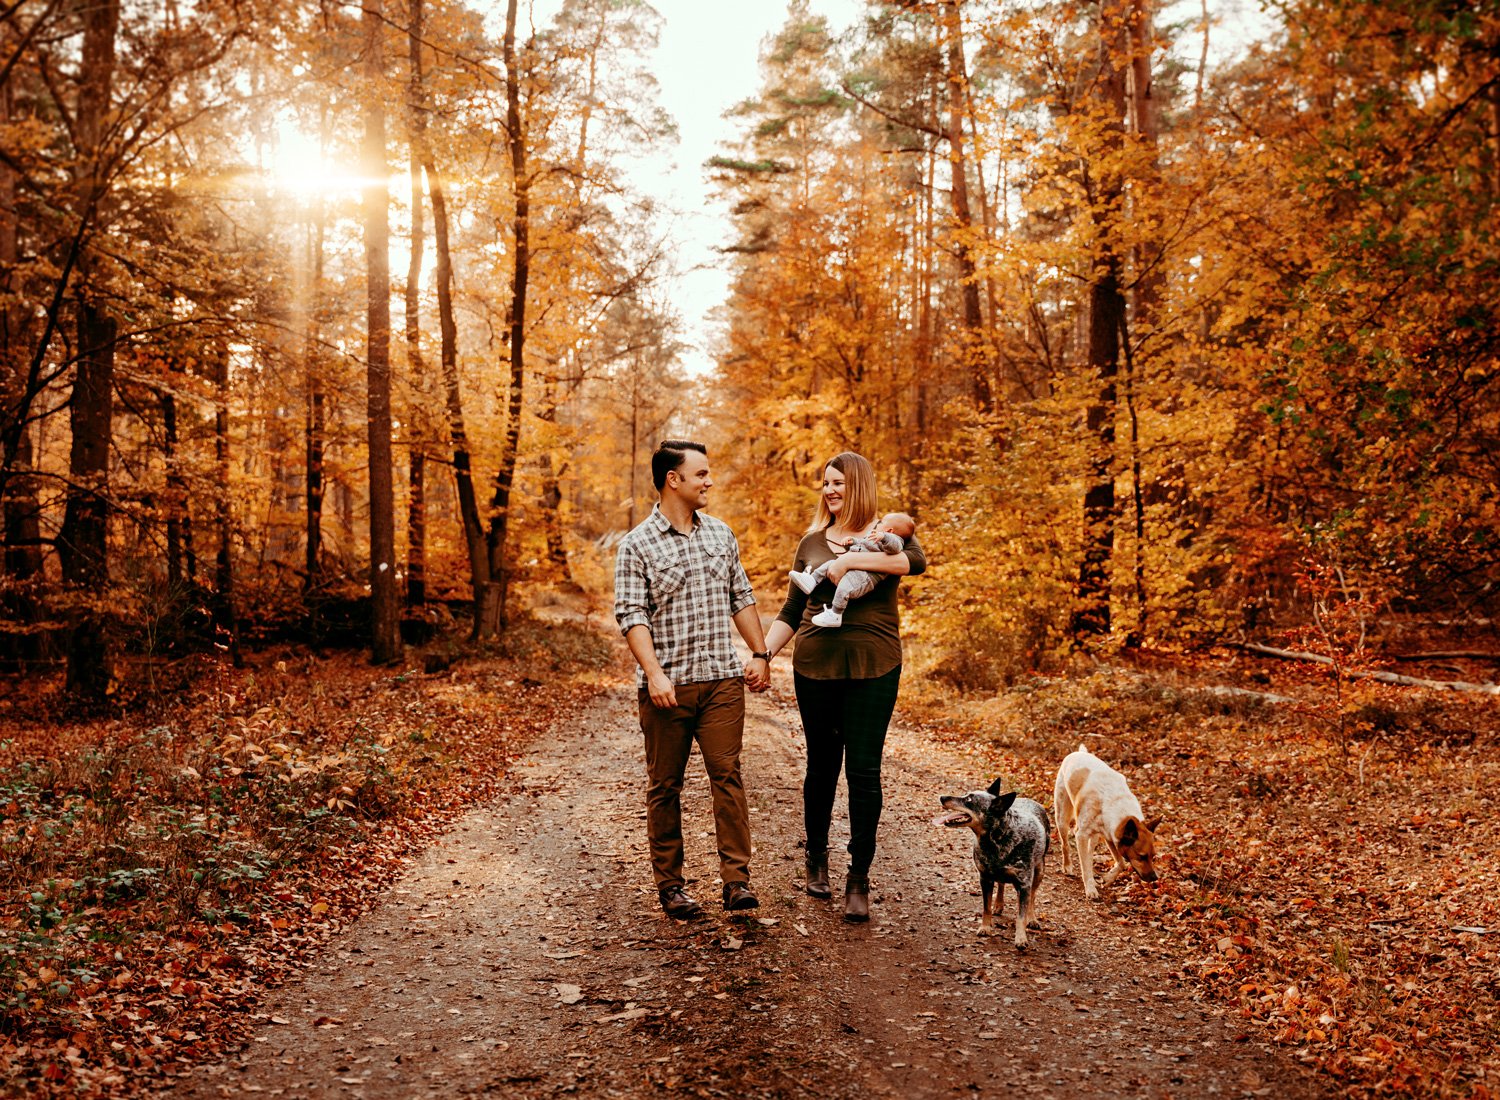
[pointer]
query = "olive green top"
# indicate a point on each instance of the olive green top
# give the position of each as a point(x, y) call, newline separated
point(869, 642)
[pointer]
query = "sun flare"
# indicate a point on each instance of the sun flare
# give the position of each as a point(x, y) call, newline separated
point(297, 165)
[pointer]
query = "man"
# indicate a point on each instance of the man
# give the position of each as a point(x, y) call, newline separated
point(678, 584)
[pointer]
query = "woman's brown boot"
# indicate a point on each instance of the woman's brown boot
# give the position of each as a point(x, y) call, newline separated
point(817, 874)
point(857, 898)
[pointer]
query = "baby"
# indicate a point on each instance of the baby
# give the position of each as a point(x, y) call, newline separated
point(889, 537)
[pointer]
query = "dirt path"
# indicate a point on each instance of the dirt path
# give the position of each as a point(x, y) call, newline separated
point(525, 955)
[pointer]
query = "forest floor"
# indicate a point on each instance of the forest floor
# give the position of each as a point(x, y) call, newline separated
point(525, 954)
point(436, 884)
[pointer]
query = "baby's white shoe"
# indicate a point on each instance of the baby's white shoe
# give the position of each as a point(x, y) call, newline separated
point(805, 581)
point(828, 617)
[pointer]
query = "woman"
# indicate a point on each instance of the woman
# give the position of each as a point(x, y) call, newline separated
point(846, 677)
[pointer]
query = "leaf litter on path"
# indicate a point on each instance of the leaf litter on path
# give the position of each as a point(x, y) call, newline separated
point(798, 1003)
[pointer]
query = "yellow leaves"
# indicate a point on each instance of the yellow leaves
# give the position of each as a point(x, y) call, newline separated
point(287, 758)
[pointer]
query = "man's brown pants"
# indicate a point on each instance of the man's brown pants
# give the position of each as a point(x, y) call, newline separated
point(713, 714)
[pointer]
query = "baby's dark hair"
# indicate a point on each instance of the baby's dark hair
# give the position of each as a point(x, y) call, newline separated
point(668, 456)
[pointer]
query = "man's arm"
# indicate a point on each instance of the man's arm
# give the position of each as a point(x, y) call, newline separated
point(632, 612)
point(658, 685)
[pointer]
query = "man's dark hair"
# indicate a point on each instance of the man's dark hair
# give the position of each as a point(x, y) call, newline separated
point(668, 456)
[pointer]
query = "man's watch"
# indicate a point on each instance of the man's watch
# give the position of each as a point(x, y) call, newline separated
point(766, 657)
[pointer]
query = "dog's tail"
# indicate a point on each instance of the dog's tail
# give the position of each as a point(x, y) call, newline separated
point(1082, 747)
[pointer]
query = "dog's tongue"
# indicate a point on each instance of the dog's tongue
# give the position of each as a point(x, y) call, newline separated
point(951, 818)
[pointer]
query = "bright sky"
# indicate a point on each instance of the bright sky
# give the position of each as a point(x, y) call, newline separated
point(709, 60)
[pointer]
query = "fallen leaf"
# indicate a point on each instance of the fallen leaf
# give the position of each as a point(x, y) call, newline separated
point(628, 1014)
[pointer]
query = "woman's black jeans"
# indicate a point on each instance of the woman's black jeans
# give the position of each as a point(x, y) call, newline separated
point(845, 723)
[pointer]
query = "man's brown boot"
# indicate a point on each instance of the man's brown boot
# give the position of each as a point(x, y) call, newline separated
point(817, 874)
point(857, 898)
point(676, 904)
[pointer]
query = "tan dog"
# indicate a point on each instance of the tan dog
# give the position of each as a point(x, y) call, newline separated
point(1094, 802)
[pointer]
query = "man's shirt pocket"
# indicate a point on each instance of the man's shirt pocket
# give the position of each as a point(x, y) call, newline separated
point(667, 579)
point(718, 561)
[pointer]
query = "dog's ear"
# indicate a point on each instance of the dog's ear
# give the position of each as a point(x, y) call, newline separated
point(1153, 824)
point(1129, 834)
point(994, 788)
point(1001, 806)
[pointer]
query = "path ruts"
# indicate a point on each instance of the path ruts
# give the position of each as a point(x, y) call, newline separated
point(525, 955)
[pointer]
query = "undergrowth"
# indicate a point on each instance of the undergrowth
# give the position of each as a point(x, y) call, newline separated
point(1332, 887)
point(161, 866)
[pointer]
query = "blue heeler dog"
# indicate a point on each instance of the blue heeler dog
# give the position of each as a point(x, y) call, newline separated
point(1011, 836)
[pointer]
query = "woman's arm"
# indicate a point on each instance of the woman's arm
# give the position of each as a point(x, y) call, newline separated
point(777, 637)
point(916, 556)
point(871, 561)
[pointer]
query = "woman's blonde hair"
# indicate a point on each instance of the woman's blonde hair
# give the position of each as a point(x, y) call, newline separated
point(860, 495)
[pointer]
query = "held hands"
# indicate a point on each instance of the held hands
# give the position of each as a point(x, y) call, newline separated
point(757, 674)
point(659, 686)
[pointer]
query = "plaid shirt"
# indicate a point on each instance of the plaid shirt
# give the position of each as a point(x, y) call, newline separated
point(684, 589)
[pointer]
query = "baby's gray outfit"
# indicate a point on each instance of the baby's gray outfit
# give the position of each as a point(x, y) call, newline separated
point(860, 582)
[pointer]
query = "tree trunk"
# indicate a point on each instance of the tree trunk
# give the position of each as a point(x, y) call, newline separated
point(82, 542)
point(1137, 634)
point(176, 495)
point(416, 526)
point(315, 427)
point(973, 338)
point(551, 488)
point(1150, 278)
point(226, 625)
point(926, 320)
point(493, 613)
point(1106, 316)
point(987, 223)
point(1150, 284)
point(20, 506)
point(552, 495)
point(416, 424)
point(23, 552)
point(463, 475)
point(1106, 321)
point(385, 639)
point(633, 462)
